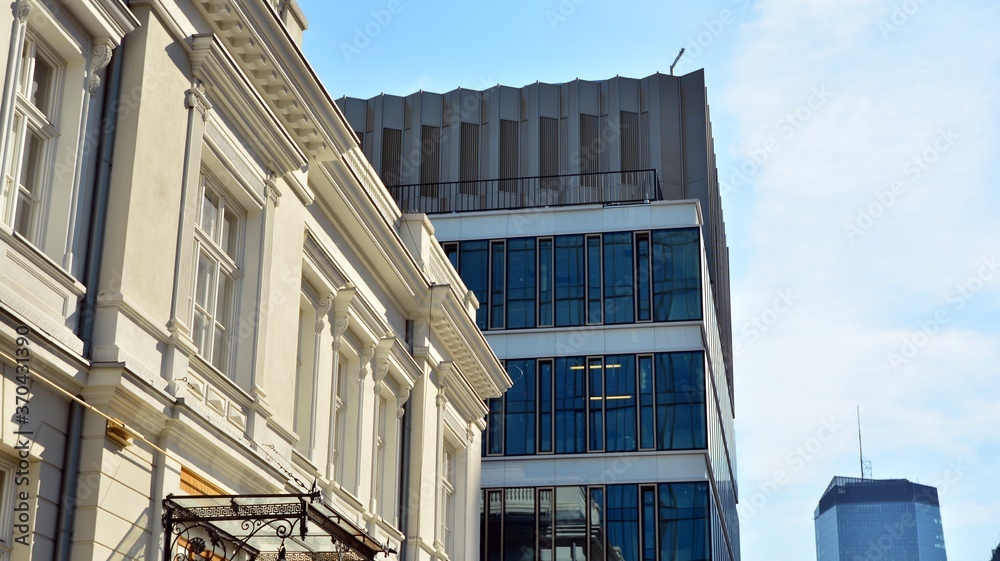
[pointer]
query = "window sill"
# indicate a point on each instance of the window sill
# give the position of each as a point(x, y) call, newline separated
point(40, 260)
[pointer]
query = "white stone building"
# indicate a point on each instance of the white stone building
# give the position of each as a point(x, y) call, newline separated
point(193, 245)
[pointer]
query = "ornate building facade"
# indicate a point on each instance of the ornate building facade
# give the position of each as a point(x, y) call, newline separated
point(219, 336)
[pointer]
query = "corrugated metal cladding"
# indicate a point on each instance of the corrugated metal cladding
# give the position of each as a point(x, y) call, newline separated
point(469, 157)
point(392, 156)
point(430, 160)
point(589, 148)
point(509, 153)
point(548, 143)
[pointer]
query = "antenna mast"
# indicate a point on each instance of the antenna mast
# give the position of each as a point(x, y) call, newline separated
point(866, 465)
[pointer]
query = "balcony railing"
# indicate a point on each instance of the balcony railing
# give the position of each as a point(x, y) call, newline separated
point(616, 187)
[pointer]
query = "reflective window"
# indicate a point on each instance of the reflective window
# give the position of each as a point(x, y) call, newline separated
point(473, 265)
point(683, 521)
point(676, 270)
point(545, 406)
point(570, 405)
point(519, 417)
point(620, 403)
point(569, 277)
point(521, 283)
point(680, 401)
point(619, 282)
point(652, 522)
point(642, 284)
point(595, 405)
point(545, 282)
point(594, 279)
point(496, 285)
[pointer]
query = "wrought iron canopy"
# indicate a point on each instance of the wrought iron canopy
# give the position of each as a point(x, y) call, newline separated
point(294, 527)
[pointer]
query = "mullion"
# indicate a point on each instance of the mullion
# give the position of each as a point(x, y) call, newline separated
point(595, 393)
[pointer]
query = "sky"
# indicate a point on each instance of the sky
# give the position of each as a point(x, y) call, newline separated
point(857, 147)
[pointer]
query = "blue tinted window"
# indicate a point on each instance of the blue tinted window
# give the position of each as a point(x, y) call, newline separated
point(597, 525)
point(496, 284)
point(596, 404)
point(494, 426)
point(648, 524)
point(521, 283)
point(683, 521)
point(571, 521)
point(519, 417)
point(619, 281)
point(647, 422)
point(680, 401)
point(593, 279)
point(676, 275)
point(571, 405)
point(643, 301)
point(494, 526)
point(545, 406)
point(620, 403)
point(545, 282)
point(623, 522)
point(473, 267)
point(519, 524)
point(569, 280)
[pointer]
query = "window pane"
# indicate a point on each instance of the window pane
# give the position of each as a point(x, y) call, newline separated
point(520, 411)
point(569, 280)
point(596, 532)
point(571, 519)
point(41, 85)
point(676, 266)
point(545, 406)
point(623, 522)
point(230, 233)
point(545, 282)
point(619, 287)
point(647, 422)
point(473, 268)
point(494, 426)
point(25, 216)
point(642, 277)
point(30, 160)
point(620, 410)
point(570, 407)
point(224, 303)
point(494, 526)
point(497, 285)
point(593, 279)
point(521, 283)
point(209, 213)
point(519, 525)
point(596, 404)
point(199, 331)
point(545, 524)
point(680, 401)
point(205, 278)
point(648, 524)
point(220, 350)
point(684, 522)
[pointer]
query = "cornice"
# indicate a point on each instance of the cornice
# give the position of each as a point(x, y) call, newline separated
point(228, 87)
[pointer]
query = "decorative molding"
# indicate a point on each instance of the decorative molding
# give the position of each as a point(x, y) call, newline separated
point(382, 348)
point(367, 352)
point(323, 308)
point(272, 189)
point(401, 399)
point(195, 98)
point(470, 435)
point(100, 56)
point(441, 400)
point(22, 9)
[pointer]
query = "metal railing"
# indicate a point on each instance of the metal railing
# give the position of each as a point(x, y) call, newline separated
point(610, 187)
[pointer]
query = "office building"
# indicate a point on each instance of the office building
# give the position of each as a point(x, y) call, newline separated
point(219, 337)
point(883, 519)
point(586, 219)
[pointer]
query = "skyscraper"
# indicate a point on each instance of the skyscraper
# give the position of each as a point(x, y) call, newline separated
point(879, 519)
point(585, 219)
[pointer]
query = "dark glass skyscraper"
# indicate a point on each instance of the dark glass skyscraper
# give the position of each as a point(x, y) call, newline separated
point(879, 520)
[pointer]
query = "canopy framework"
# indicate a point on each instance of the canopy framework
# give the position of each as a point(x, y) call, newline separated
point(293, 527)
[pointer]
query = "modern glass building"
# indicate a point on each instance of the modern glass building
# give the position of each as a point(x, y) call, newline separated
point(886, 519)
point(586, 222)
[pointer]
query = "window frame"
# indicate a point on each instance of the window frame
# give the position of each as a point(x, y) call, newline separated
point(209, 245)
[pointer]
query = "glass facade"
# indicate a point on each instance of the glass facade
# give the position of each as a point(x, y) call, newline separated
point(890, 520)
point(613, 403)
point(645, 522)
point(592, 279)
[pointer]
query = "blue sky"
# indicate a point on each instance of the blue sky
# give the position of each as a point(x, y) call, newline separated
point(857, 144)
